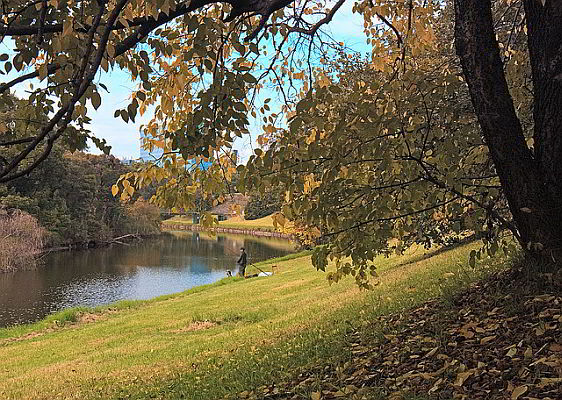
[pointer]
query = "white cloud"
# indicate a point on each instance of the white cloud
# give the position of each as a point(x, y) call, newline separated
point(121, 136)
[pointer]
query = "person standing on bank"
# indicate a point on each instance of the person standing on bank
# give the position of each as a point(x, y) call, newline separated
point(242, 261)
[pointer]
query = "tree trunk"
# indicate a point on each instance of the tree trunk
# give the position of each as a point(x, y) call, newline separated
point(544, 29)
point(531, 184)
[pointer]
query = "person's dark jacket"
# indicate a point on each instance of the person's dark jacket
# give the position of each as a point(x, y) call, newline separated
point(242, 260)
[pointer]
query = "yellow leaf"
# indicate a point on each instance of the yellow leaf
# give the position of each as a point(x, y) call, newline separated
point(42, 71)
point(431, 352)
point(114, 190)
point(511, 352)
point(549, 381)
point(315, 396)
point(96, 100)
point(110, 50)
point(463, 376)
point(518, 391)
point(487, 339)
point(67, 27)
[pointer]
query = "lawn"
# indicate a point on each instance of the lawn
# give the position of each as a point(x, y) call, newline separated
point(263, 224)
point(218, 340)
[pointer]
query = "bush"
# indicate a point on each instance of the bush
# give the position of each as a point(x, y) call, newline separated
point(261, 206)
point(143, 218)
point(21, 240)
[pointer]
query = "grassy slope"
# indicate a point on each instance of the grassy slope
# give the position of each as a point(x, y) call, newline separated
point(256, 331)
point(264, 224)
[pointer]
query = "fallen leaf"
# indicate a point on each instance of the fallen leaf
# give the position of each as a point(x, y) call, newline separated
point(436, 386)
point(487, 339)
point(518, 391)
point(463, 376)
point(431, 352)
point(467, 334)
point(548, 381)
point(555, 347)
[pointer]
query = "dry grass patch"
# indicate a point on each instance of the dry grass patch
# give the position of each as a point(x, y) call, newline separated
point(196, 326)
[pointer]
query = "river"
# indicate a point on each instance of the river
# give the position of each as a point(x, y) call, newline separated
point(170, 263)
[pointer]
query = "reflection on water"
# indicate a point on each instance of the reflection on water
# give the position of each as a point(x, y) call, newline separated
point(168, 264)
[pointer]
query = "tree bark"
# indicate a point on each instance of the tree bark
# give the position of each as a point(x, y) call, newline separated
point(544, 30)
point(536, 209)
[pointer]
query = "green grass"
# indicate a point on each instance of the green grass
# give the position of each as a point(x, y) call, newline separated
point(265, 223)
point(261, 224)
point(220, 339)
point(178, 220)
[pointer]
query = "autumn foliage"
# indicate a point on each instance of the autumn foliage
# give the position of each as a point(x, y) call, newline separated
point(21, 240)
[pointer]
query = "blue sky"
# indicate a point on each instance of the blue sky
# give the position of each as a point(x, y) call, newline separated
point(124, 137)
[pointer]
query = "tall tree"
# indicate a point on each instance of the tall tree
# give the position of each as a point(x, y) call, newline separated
point(530, 178)
point(203, 62)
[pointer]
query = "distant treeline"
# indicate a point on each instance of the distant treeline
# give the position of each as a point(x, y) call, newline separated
point(70, 195)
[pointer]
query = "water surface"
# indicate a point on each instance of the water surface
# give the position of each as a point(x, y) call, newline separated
point(168, 264)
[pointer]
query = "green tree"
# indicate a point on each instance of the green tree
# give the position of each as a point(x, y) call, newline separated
point(202, 62)
point(262, 205)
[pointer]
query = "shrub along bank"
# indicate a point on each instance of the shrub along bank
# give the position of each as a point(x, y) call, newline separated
point(21, 240)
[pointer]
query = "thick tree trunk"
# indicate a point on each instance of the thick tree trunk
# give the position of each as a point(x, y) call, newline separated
point(544, 29)
point(536, 210)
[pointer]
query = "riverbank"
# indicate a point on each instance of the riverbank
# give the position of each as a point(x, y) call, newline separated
point(233, 230)
point(222, 339)
point(170, 263)
point(94, 244)
point(258, 227)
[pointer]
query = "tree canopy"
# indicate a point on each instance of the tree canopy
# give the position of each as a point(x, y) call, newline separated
point(412, 144)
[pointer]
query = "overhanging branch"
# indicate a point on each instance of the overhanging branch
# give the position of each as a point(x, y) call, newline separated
point(327, 19)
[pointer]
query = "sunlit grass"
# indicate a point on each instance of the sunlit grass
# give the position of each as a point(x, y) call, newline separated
point(218, 339)
point(239, 222)
point(265, 223)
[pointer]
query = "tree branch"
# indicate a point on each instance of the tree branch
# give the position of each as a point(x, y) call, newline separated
point(391, 26)
point(327, 19)
point(387, 219)
point(51, 68)
point(17, 141)
point(42, 22)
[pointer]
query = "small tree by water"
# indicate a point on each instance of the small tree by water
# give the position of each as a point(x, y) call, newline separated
point(21, 240)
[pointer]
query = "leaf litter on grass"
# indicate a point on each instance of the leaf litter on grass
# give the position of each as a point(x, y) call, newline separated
point(500, 339)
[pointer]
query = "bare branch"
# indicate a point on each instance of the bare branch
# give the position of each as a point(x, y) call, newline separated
point(17, 141)
point(42, 22)
point(393, 218)
point(389, 24)
point(327, 19)
point(265, 10)
point(51, 68)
